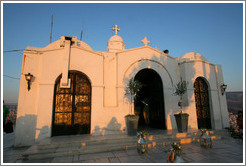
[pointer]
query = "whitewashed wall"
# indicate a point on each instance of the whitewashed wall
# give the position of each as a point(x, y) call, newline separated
point(109, 73)
point(190, 71)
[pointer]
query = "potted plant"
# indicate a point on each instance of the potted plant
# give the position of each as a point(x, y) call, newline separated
point(181, 118)
point(131, 90)
point(176, 155)
point(142, 143)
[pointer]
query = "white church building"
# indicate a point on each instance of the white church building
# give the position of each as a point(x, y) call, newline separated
point(77, 90)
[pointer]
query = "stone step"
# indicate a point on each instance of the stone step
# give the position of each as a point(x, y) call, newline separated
point(92, 146)
point(60, 152)
point(81, 142)
point(84, 143)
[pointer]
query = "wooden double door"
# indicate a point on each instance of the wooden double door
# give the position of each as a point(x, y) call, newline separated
point(72, 106)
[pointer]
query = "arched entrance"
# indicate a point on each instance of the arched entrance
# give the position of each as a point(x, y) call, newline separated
point(202, 104)
point(72, 106)
point(150, 98)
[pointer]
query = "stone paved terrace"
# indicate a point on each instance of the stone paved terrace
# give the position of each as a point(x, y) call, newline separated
point(226, 150)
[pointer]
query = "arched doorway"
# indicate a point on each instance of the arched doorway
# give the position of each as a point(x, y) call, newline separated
point(72, 106)
point(151, 94)
point(202, 103)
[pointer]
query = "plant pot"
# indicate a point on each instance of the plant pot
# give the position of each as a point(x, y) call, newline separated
point(182, 122)
point(175, 157)
point(132, 124)
point(178, 158)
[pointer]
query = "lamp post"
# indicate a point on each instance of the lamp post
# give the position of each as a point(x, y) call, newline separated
point(29, 77)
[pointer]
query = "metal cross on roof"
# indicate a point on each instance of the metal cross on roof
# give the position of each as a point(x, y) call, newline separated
point(115, 29)
point(145, 41)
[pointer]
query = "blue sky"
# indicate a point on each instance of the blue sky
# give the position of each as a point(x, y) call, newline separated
point(214, 30)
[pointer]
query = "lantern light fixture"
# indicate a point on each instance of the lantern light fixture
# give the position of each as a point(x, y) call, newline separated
point(29, 77)
point(205, 139)
point(141, 144)
point(223, 88)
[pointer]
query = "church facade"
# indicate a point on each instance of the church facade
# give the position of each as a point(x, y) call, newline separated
point(77, 90)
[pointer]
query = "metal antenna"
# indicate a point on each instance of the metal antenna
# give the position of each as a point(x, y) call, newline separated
point(51, 29)
point(81, 33)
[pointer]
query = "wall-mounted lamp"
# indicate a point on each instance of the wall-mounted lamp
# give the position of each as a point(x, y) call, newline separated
point(28, 78)
point(223, 88)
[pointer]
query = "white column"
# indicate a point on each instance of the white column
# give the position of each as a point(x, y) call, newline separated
point(65, 82)
point(222, 98)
